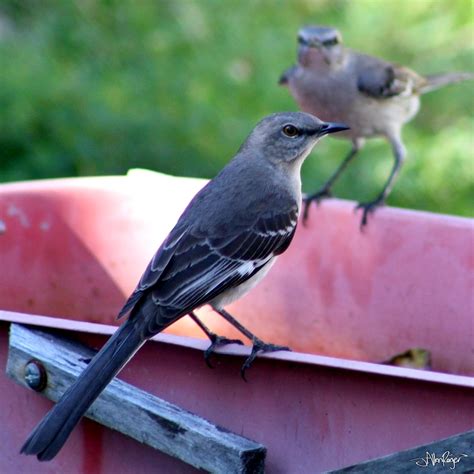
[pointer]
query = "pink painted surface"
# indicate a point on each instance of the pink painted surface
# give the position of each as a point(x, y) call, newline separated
point(312, 418)
point(234, 349)
point(75, 248)
point(406, 282)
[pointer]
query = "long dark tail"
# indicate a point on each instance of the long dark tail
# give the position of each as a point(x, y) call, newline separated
point(439, 80)
point(52, 432)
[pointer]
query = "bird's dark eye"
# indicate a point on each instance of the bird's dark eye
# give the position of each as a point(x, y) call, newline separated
point(291, 131)
point(301, 40)
point(330, 42)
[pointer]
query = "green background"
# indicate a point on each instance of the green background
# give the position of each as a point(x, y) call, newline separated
point(98, 87)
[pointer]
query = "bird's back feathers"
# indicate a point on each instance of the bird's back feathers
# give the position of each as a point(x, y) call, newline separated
point(201, 265)
point(207, 255)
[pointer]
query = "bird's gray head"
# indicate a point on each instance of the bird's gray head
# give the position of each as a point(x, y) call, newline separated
point(288, 137)
point(319, 44)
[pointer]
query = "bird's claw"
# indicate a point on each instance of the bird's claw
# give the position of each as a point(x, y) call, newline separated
point(317, 197)
point(259, 347)
point(367, 209)
point(218, 341)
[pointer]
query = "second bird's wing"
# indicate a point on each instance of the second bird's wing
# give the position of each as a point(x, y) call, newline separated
point(287, 75)
point(380, 79)
point(191, 268)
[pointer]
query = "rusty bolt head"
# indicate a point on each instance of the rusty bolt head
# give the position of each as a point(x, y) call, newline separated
point(35, 375)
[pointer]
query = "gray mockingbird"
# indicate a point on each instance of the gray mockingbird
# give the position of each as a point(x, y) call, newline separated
point(374, 97)
point(225, 241)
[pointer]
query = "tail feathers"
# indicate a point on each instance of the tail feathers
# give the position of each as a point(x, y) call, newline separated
point(52, 432)
point(439, 80)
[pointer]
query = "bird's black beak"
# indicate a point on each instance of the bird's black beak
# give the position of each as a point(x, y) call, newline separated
point(332, 127)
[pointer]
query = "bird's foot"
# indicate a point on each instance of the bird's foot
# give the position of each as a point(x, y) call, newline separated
point(367, 209)
point(317, 197)
point(259, 347)
point(217, 341)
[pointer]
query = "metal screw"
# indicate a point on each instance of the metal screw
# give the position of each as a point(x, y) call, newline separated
point(35, 375)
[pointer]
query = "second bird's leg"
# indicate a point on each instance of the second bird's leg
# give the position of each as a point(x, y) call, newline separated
point(216, 340)
point(258, 346)
point(325, 191)
point(369, 207)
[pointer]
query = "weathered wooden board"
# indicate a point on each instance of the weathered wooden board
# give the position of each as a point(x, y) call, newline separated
point(132, 411)
point(453, 454)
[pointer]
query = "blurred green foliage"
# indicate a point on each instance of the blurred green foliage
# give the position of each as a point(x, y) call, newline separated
point(97, 87)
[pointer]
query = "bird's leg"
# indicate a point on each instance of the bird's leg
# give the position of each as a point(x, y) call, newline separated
point(258, 346)
point(216, 340)
point(325, 191)
point(399, 154)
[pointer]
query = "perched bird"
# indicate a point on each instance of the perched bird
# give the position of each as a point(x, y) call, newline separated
point(225, 241)
point(416, 358)
point(374, 97)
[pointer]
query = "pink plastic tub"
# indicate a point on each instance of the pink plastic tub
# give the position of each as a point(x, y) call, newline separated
point(73, 249)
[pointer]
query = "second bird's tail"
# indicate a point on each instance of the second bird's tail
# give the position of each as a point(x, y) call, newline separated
point(52, 432)
point(436, 81)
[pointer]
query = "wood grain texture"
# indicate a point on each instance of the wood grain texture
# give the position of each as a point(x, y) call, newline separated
point(453, 454)
point(132, 411)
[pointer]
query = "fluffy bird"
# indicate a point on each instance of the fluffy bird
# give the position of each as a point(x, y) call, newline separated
point(374, 97)
point(224, 243)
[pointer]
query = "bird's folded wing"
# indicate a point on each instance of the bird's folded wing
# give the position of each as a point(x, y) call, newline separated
point(287, 75)
point(380, 79)
point(192, 268)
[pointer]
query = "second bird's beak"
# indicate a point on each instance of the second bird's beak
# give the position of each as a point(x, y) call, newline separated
point(332, 127)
